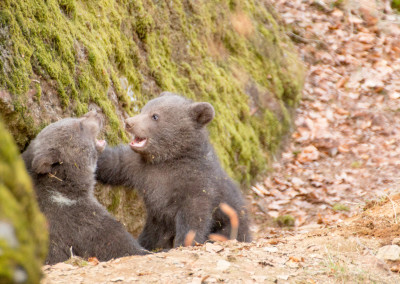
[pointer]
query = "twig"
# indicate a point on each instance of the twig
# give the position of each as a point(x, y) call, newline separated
point(305, 40)
point(380, 261)
point(364, 246)
point(351, 22)
point(328, 254)
point(203, 280)
point(394, 209)
point(53, 176)
point(257, 191)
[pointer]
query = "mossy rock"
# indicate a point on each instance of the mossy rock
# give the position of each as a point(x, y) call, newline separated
point(126, 205)
point(23, 231)
point(396, 5)
point(59, 58)
point(285, 221)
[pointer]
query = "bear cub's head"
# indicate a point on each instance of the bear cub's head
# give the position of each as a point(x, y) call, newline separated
point(169, 127)
point(67, 147)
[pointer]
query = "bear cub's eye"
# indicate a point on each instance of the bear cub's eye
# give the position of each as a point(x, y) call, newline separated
point(154, 116)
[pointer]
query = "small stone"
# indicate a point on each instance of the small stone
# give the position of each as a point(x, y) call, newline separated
point(283, 277)
point(178, 264)
point(271, 249)
point(292, 264)
point(213, 247)
point(20, 275)
point(297, 182)
point(118, 279)
point(223, 264)
point(63, 266)
point(391, 252)
point(7, 233)
point(196, 280)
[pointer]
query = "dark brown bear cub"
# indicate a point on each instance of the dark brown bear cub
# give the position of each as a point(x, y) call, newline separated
point(61, 161)
point(175, 168)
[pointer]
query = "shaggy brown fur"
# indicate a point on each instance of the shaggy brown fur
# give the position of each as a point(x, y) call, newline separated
point(175, 168)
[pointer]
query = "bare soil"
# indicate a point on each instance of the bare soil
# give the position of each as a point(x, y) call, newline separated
point(337, 181)
point(343, 253)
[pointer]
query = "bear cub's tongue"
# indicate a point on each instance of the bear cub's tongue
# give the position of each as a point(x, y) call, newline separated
point(138, 142)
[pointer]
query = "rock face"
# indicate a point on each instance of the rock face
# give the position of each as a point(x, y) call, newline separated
point(62, 58)
point(23, 231)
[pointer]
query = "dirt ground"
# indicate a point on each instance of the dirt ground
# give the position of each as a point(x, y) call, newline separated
point(342, 253)
point(336, 185)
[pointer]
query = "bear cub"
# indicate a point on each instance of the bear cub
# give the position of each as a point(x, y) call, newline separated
point(173, 165)
point(62, 162)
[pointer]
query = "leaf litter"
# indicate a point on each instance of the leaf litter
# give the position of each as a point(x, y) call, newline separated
point(337, 178)
point(344, 150)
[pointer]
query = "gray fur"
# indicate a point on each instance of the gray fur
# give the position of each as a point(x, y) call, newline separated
point(61, 161)
point(177, 172)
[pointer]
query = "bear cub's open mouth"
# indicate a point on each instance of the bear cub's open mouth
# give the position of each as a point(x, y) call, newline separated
point(138, 142)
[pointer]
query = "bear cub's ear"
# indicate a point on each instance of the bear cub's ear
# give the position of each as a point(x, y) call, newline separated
point(42, 162)
point(202, 113)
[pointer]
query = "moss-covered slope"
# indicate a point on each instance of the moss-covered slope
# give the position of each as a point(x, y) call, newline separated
point(61, 57)
point(23, 233)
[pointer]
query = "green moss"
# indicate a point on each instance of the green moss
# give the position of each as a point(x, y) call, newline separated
point(340, 207)
point(396, 4)
point(285, 221)
point(68, 7)
point(24, 249)
point(38, 93)
point(339, 3)
point(211, 51)
point(77, 261)
point(115, 200)
point(125, 205)
point(356, 164)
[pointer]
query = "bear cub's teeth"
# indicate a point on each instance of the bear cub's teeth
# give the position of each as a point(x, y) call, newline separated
point(101, 145)
point(138, 142)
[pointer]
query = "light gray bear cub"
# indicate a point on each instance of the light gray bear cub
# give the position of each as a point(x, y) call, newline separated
point(62, 161)
point(173, 165)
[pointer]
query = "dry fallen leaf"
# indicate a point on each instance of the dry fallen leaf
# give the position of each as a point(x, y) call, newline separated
point(93, 260)
point(395, 268)
point(342, 82)
point(344, 148)
point(274, 241)
point(308, 154)
point(295, 259)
